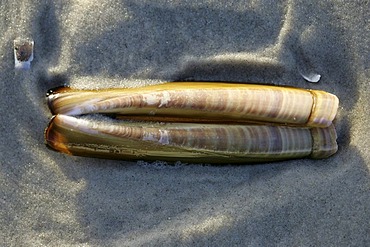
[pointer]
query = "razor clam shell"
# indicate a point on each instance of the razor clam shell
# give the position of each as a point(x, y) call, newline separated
point(191, 143)
point(214, 101)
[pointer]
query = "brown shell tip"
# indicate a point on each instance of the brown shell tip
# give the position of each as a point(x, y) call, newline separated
point(57, 90)
point(51, 95)
point(54, 139)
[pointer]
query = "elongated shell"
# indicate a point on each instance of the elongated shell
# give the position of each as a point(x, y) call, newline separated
point(211, 101)
point(200, 143)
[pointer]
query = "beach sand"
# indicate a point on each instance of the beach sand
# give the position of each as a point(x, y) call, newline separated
point(51, 199)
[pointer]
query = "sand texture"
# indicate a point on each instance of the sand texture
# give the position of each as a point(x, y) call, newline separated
point(51, 199)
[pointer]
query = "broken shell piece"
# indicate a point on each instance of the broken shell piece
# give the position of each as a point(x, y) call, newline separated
point(23, 53)
point(311, 77)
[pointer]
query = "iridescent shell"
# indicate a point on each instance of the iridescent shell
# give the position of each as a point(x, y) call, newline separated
point(209, 101)
point(195, 122)
point(187, 142)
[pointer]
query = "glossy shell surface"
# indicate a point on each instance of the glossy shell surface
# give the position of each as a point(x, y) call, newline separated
point(194, 122)
point(210, 101)
point(187, 142)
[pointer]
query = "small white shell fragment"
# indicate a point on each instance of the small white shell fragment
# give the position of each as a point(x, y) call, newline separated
point(23, 53)
point(311, 77)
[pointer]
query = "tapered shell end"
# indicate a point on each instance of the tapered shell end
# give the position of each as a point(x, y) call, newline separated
point(324, 109)
point(324, 142)
point(53, 137)
point(56, 90)
point(53, 97)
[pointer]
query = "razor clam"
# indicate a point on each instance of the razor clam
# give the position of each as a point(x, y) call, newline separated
point(204, 100)
point(187, 142)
